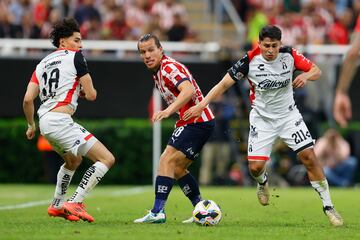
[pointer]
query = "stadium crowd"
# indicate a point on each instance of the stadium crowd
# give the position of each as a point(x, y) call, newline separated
point(302, 22)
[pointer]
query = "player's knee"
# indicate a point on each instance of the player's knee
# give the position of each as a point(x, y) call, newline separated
point(308, 158)
point(180, 172)
point(108, 160)
point(256, 168)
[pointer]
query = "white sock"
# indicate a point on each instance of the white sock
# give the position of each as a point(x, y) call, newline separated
point(64, 177)
point(322, 188)
point(91, 177)
point(262, 178)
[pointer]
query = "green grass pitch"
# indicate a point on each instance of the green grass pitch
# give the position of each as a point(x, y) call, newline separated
point(294, 213)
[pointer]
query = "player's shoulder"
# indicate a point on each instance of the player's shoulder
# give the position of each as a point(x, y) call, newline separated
point(286, 49)
point(169, 64)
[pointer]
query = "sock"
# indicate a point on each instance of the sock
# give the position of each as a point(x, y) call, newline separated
point(91, 177)
point(163, 187)
point(190, 188)
point(322, 188)
point(64, 177)
point(262, 178)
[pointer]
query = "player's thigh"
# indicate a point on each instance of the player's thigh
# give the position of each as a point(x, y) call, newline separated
point(65, 135)
point(98, 152)
point(295, 133)
point(262, 135)
point(191, 138)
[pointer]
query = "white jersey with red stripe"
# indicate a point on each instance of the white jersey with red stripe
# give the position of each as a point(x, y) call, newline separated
point(58, 78)
point(271, 91)
point(168, 77)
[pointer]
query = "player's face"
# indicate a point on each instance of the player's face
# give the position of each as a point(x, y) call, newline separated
point(269, 48)
point(72, 42)
point(150, 54)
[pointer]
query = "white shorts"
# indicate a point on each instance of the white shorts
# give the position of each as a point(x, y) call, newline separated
point(65, 135)
point(264, 131)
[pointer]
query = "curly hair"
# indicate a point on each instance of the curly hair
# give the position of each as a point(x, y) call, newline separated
point(63, 29)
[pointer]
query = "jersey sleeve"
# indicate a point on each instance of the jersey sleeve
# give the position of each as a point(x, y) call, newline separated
point(34, 78)
point(300, 61)
point(176, 74)
point(80, 64)
point(240, 68)
point(357, 26)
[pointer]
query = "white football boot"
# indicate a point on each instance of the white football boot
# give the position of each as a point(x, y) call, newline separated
point(152, 218)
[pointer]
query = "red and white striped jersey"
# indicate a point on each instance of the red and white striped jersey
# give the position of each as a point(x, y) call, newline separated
point(58, 78)
point(168, 77)
point(271, 91)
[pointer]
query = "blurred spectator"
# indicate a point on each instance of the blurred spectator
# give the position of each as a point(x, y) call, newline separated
point(338, 32)
point(180, 31)
point(92, 29)
point(154, 27)
point(334, 152)
point(17, 10)
point(256, 19)
point(65, 7)
point(137, 16)
point(166, 9)
point(116, 27)
point(293, 29)
point(87, 11)
point(40, 16)
point(216, 152)
point(55, 15)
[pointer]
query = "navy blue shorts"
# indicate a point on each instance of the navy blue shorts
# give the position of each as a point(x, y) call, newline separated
point(191, 138)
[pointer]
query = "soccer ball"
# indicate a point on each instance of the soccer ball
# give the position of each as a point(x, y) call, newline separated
point(207, 213)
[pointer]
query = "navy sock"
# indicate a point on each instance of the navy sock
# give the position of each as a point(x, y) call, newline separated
point(163, 187)
point(190, 188)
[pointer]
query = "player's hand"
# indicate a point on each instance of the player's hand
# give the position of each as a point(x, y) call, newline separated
point(194, 111)
point(300, 81)
point(30, 132)
point(158, 116)
point(342, 109)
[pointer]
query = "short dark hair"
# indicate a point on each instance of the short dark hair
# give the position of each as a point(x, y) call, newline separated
point(147, 37)
point(270, 31)
point(63, 29)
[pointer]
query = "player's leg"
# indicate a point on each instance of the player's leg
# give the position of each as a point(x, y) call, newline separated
point(261, 137)
point(297, 136)
point(53, 126)
point(103, 160)
point(64, 177)
point(320, 184)
point(163, 184)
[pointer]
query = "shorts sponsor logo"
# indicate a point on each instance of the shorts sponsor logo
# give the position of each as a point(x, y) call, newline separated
point(77, 142)
point(190, 150)
point(253, 132)
point(297, 123)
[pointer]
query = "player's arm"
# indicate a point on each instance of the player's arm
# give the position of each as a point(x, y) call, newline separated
point(32, 92)
point(88, 91)
point(214, 93)
point(349, 65)
point(342, 104)
point(187, 91)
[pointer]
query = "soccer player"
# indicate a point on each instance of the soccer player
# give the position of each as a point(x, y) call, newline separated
point(342, 103)
point(180, 91)
point(269, 69)
point(59, 79)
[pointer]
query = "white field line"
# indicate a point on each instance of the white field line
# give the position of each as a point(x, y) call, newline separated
point(125, 192)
